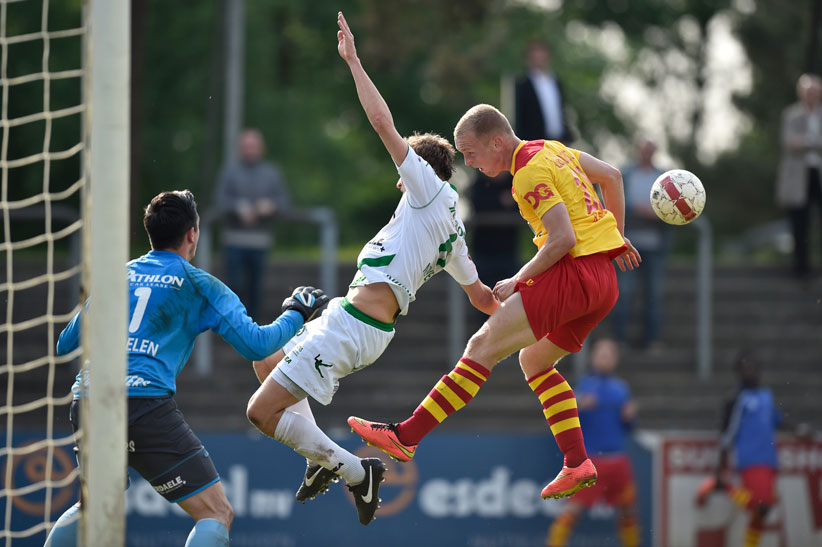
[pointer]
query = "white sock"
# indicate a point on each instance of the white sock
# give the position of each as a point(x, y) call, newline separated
point(303, 435)
point(302, 408)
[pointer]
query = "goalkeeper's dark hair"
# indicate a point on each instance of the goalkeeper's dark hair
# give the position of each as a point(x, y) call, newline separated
point(436, 150)
point(168, 217)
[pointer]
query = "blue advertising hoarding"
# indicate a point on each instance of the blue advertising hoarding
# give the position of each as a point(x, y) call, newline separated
point(478, 490)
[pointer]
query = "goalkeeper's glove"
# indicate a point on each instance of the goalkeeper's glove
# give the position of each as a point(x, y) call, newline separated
point(307, 301)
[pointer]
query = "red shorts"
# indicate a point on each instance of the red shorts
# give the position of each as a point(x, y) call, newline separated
point(759, 481)
point(570, 298)
point(615, 483)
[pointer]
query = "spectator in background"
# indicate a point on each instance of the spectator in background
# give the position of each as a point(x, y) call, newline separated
point(606, 414)
point(651, 237)
point(249, 193)
point(495, 227)
point(749, 423)
point(540, 107)
point(798, 185)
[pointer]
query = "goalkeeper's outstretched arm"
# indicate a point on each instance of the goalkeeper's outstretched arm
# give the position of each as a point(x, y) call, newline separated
point(372, 102)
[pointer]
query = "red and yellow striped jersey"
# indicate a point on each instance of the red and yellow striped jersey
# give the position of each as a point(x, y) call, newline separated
point(547, 173)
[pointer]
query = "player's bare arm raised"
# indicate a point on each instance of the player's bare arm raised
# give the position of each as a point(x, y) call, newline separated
point(372, 102)
point(379, 115)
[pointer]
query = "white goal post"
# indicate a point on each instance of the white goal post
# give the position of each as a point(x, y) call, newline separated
point(103, 455)
point(64, 178)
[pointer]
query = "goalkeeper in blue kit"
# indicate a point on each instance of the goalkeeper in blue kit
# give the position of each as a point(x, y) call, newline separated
point(171, 302)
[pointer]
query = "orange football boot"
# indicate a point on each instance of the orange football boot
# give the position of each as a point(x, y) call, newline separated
point(383, 436)
point(571, 480)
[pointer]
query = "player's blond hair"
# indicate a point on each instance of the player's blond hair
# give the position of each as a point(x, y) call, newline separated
point(481, 121)
point(436, 150)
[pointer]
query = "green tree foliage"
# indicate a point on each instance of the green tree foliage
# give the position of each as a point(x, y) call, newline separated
point(29, 58)
point(432, 60)
point(27, 94)
point(775, 37)
point(172, 92)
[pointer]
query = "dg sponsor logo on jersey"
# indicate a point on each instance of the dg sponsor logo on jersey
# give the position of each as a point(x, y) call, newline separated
point(541, 192)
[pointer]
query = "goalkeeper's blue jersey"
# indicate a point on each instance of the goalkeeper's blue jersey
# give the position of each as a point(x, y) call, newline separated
point(170, 303)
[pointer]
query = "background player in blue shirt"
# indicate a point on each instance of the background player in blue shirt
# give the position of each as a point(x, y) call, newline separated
point(170, 303)
point(749, 423)
point(606, 415)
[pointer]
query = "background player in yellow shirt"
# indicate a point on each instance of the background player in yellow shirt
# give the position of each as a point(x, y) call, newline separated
point(554, 301)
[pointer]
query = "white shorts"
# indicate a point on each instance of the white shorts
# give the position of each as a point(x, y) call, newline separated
point(343, 340)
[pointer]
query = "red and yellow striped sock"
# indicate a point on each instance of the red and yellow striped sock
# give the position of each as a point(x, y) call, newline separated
point(452, 392)
point(752, 537)
point(740, 495)
point(629, 531)
point(754, 530)
point(561, 529)
point(560, 408)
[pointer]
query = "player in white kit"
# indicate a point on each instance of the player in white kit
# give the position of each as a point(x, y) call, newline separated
point(425, 235)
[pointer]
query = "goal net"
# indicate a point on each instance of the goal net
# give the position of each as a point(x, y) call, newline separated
point(52, 67)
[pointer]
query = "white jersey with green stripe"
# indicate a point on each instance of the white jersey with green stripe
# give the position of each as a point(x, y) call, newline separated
point(425, 235)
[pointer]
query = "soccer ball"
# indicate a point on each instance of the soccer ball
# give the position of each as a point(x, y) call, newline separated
point(677, 196)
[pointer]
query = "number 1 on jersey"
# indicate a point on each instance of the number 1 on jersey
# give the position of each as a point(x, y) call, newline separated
point(142, 294)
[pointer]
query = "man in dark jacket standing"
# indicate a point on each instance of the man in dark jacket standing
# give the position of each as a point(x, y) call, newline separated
point(539, 99)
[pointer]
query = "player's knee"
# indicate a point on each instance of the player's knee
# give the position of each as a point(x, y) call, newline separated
point(482, 348)
point(255, 413)
point(263, 418)
point(533, 361)
point(530, 362)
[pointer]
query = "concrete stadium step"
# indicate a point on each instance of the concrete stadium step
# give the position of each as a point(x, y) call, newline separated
point(752, 306)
